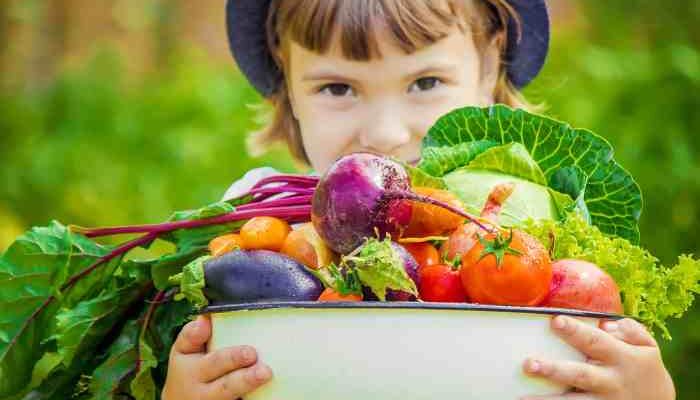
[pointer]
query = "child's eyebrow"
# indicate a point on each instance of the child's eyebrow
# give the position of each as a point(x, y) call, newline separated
point(326, 76)
point(446, 69)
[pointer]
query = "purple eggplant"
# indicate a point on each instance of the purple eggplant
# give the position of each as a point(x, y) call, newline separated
point(258, 275)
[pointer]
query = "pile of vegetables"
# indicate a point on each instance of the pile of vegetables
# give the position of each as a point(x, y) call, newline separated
point(505, 207)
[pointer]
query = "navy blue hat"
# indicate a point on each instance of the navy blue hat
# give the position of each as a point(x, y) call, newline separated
point(246, 21)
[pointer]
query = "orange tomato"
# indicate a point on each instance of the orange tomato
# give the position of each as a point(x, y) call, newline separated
point(424, 253)
point(266, 233)
point(331, 295)
point(224, 244)
point(430, 220)
point(521, 278)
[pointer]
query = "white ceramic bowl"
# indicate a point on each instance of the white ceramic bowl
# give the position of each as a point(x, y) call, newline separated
point(402, 351)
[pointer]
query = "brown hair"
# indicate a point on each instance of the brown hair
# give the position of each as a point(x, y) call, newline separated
point(413, 24)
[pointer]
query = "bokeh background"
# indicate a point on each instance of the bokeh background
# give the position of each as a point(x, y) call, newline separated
point(122, 111)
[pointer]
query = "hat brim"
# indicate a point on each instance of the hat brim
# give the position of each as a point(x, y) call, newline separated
point(246, 22)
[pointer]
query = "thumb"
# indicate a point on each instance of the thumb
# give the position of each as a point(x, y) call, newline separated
point(193, 336)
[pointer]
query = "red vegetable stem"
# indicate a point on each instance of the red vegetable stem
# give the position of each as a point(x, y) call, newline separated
point(124, 248)
point(438, 203)
point(281, 190)
point(279, 212)
point(311, 181)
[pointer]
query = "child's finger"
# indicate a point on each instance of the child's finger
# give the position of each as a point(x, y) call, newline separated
point(583, 376)
point(590, 340)
point(193, 336)
point(219, 363)
point(630, 332)
point(238, 383)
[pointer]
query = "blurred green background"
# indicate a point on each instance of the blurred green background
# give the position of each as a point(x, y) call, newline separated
point(122, 111)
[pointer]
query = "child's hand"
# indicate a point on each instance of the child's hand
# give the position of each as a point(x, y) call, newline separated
point(223, 374)
point(624, 362)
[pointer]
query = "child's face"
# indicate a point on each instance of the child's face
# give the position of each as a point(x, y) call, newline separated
point(387, 104)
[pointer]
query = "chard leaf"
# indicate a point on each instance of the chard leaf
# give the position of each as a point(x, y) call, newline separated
point(109, 378)
point(612, 197)
point(142, 385)
point(440, 157)
point(211, 210)
point(650, 292)
point(171, 264)
point(81, 328)
point(31, 271)
point(380, 267)
point(511, 159)
point(192, 283)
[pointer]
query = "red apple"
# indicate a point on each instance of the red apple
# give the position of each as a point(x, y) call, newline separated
point(582, 285)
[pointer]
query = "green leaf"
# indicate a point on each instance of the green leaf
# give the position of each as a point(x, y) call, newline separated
point(440, 157)
point(572, 181)
point(612, 197)
point(81, 328)
point(191, 282)
point(110, 376)
point(511, 159)
point(142, 385)
point(171, 264)
point(31, 270)
point(422, 179)
point(380, 267)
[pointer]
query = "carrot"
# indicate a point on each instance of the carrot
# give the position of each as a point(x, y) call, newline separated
point(429, 220)
point(329, 295)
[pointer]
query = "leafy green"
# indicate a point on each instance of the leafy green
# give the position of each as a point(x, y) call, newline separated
point(420, 178)
point(650, 292)
point(613, 199)
point(439, 158)
point(511, 159)
point(32, 271)
point(380, 267)
point(528, 200)
point(191, 282)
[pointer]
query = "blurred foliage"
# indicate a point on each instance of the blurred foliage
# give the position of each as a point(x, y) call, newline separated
point(94, 146)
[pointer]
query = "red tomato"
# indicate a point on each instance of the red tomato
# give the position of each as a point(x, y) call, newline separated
point(521, 278)
point(441, 283)
point(424, 253)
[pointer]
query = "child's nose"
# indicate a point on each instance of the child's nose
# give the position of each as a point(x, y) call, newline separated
point(385, 131)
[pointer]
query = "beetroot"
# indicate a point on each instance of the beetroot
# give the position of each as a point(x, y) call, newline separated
point(364, 195)
point(582, 285)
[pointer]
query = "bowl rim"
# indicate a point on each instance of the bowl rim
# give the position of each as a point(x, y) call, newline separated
point(408, 305)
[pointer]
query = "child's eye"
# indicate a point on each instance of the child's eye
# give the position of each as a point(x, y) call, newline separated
point(337, 89)
point(425, 84)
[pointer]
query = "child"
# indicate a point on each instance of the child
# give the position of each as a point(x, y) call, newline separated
point(374, 75)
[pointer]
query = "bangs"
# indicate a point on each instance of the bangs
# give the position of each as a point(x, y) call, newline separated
point(314, 24)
